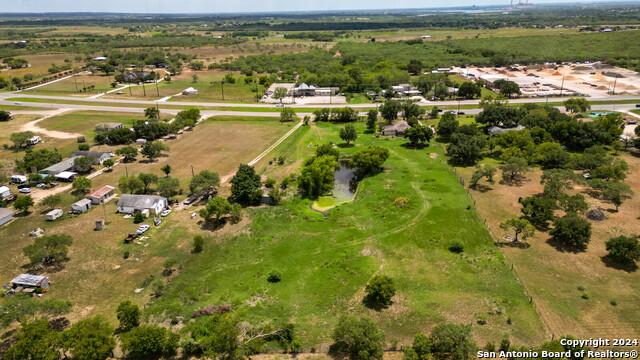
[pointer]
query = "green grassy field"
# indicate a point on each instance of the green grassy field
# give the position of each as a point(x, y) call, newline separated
point(71, 85)
point(84, 122)
point(326, 261)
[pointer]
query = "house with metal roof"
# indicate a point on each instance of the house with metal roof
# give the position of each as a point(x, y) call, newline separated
point(81, 205)
point(304, 90)
point(151, 204)
point(108, 126)
point(102, 195)
point(98, 155)
point(64, 165)
point(30, 281)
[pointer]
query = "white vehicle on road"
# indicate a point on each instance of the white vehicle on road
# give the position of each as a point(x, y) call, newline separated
point(142, 229)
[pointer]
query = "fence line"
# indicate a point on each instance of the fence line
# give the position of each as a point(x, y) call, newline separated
point(511, 265)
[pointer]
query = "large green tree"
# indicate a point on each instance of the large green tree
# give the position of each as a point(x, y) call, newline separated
point(128, 315)
point(49, 249)
point(572, 231)
point(624, 249)
point(216, 207)
point(89, 339)
point(348, 133)
point(359, 339)
point(379, 291)
point(35, 340)
point(369, 161)
point(245, 186)
point(147, 340)
point(453, 342)
point(204, 183)
point(317, 175)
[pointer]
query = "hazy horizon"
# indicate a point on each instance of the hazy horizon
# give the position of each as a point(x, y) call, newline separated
point(244, 6)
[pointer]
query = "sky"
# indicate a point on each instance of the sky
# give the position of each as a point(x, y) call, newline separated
point(226, 6)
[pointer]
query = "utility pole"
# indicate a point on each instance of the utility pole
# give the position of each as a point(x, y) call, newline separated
point(255, 82)
point(562, 86)
point(75, 80)
point(158, 111)
point(129, 83)
point(157, 91)
point(614, 85)
point(222, 83)
point(143, 89)
point(192, 173)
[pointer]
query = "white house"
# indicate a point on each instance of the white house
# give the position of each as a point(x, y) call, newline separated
point(98, 155)
point(81, 205)
point(4, 192)
point(152, 204)
point(6, 215)
point(426, 36)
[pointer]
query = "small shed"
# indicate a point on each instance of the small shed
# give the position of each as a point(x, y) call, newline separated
point(6, 215)
point(54, 214)
point(81, 206)
point(4, 192)
point(30, 281)
point(102, 195)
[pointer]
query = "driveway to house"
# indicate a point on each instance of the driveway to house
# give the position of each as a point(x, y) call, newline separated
point(33, 126)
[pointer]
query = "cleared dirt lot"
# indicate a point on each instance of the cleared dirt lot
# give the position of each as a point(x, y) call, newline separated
point(552, 277)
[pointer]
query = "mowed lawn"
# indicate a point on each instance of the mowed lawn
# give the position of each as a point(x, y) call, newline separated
point(207, 83)
point(326, 261)
point(84, 122)
point(552, 277)
point(75, 84)
point(218, 144)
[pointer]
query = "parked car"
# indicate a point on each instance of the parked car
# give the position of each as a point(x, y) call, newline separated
point(119, 92)
point(40, 185)
point(165, 213)
point(53, 184)
point(142, 229)
point(17, 103)
point(279, 105)
point(191, 199)
point(460, 112)
point(638, 105)
point(130, 237)
point(157, 221)
point(25, 190)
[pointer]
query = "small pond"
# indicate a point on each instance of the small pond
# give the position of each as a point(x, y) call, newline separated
point(345, 187)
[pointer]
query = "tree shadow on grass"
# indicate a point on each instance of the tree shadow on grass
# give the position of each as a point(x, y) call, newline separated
point(564, 247)
point(345, 145)
point(514, 244)
point(612, 263)
point(517, 181)
point(372, 304)
point(212, 225)
point(415, 146)
point(481, 188)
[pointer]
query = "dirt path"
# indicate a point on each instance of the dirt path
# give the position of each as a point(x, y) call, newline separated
point(38, 196)
point(33, 127)
point(225, 179)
